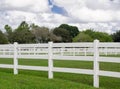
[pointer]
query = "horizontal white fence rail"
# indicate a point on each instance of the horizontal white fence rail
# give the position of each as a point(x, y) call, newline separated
point(63, 51)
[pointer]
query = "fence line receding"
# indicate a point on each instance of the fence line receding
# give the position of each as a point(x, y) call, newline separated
point(63, 51)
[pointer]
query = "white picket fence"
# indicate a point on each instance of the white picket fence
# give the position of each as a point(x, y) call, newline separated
point(63, 51)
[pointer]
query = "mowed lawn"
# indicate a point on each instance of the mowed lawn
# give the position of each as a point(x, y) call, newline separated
point(27, 79)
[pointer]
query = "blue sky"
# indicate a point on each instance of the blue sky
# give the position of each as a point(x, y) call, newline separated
point(101, 15)
point(57, 9)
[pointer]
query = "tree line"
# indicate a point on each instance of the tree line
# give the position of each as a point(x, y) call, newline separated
point(31, 33)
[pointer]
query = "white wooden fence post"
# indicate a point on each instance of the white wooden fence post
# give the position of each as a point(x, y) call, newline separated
point(106, 51)
point(50, 61)
point(96, 64)
point(61, 51)
point(85, 51)
point(15, 58)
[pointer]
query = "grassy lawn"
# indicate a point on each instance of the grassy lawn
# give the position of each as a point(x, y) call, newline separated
point(23, 81)
point(38, 80)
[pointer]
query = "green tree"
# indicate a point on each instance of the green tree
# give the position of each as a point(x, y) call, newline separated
point(102, 36)
point(23, 26)
point(63, 33)
point(73, 30)
point(9, 32)
point(22, 34)
point(82, 37)
point(116, 36)
point(8, 29)
point(3, 39)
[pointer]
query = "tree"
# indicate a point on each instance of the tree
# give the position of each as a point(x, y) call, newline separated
point(116, 36)
point(3, 39)
point(63, 33)
point(73, 30)
point(23, 26)
point(102, 36)
point(22, 34)
point(41, 34)
point(82, 37)
point(54, 38)
point(9, 32)
point(8, 29)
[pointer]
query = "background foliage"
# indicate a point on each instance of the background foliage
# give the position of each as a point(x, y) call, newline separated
point(31, 33)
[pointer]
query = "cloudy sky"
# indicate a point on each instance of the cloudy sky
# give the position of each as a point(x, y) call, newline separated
point(102, 15)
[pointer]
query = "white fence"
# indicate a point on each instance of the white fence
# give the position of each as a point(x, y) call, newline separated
point(63, 51)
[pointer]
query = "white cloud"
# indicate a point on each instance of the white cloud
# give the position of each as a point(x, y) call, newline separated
point(85, 12)
point(91, 11)
point(14, 18)
point(102, 15)
point(25, 5)
point(88, 15)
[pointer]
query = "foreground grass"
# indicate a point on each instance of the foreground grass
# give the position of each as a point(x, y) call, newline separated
point(21, 81)
point(38, 80)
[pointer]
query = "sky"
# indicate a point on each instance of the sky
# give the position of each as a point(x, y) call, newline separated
point(101, 15)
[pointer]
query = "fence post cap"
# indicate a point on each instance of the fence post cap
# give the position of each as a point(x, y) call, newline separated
point(50, 42)
point(15, 42)
point(96, 40)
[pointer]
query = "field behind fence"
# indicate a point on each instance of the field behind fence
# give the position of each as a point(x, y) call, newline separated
point(94, 51)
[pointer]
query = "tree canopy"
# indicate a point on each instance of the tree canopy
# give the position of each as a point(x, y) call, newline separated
point(63, 33)
point(73, 30)
point(41, 34)
point(82, 37)
point(32, 33)
point(21, 35)
point(116, 36)
point(102, 36)
point(8, 33)
point(3, 39)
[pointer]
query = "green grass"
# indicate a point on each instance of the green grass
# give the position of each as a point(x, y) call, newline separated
point(111, 55)
point(23, 81)
point(38, 80)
